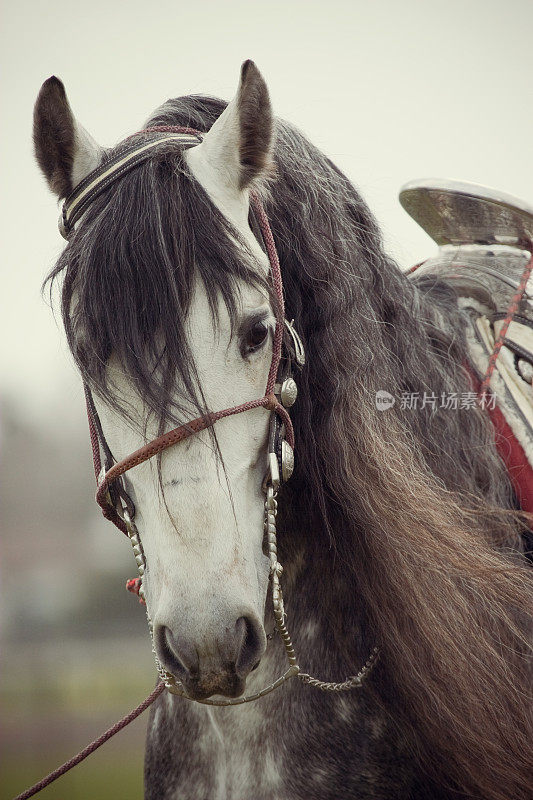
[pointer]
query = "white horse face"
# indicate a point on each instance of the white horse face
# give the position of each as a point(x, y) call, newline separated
point(201, 519)
point(207, 577)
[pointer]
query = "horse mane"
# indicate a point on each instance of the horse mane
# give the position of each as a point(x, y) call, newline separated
point(419, 502)
point(416, 504)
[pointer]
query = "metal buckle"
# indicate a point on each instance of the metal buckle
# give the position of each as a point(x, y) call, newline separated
point(299, 352)
point(287, 460)
point(272, 478)
point(288, 392)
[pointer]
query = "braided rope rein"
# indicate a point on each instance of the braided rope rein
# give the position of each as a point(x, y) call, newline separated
point(82, 755)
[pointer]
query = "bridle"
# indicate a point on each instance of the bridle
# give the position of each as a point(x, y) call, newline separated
point(280, 394)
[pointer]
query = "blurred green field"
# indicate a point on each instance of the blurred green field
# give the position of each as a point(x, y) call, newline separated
point(100, 777)
point(53, 706)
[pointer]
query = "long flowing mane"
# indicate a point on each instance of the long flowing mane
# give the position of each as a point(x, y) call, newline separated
point(416, 505)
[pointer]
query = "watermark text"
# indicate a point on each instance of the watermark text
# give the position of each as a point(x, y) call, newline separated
point(446, 401)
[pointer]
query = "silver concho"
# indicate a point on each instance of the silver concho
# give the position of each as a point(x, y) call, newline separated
point(288, 392)
point(287, 460)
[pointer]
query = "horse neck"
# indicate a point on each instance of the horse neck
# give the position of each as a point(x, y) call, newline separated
point(325, 614)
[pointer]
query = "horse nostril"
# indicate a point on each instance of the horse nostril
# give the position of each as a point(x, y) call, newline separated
point(173, 654)
point(250, 645)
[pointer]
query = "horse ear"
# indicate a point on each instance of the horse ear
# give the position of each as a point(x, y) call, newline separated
point(238, 147)
point(64, 150)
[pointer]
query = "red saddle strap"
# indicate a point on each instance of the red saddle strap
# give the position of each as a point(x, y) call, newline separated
point(511, 451)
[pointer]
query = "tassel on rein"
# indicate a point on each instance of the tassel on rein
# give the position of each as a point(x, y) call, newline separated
point(133, 585)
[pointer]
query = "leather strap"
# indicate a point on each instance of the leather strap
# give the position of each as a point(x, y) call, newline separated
point(113, 168)
point(179, 435)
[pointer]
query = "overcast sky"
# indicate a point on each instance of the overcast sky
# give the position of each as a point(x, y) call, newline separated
point(390, 90)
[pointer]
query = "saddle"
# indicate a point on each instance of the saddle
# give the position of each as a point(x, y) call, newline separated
point(485, 240)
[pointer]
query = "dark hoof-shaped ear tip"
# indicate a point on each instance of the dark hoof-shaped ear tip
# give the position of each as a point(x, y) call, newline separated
point(53, 85)
point(248, 68)
point(53, 135)
point(256, 124)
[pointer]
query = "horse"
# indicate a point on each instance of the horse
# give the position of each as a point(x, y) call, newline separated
point(398, 530)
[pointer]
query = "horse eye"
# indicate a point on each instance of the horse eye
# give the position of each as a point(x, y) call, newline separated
point(255, 337)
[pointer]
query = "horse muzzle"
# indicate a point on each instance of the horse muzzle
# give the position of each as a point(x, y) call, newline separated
point(212, 665)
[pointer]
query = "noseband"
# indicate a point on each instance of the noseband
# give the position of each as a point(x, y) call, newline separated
point(280, 394)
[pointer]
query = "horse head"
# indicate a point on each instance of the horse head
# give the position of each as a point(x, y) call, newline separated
point(171, 316)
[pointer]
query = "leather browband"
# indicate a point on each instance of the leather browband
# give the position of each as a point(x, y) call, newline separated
point(103, 176)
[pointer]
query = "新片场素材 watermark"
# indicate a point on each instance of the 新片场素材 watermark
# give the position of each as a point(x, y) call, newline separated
point(446, 401)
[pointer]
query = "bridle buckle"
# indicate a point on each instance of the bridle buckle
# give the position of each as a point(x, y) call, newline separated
point(272, 477)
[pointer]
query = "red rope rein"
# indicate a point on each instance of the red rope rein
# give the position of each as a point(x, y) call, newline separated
point(72, 762)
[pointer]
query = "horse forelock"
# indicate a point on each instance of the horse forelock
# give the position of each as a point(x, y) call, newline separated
point(129, 278)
